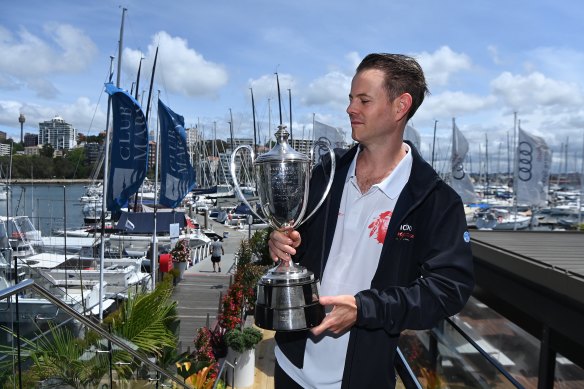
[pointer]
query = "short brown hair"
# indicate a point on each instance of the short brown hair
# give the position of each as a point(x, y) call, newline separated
point(403, 74)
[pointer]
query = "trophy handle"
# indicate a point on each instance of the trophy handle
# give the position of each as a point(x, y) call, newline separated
point(233, 171)
point(331, 177)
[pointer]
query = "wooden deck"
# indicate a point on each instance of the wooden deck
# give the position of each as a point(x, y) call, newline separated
point(198, 302)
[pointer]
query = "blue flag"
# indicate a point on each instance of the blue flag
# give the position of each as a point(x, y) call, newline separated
point(177, 176)
point(129, 148)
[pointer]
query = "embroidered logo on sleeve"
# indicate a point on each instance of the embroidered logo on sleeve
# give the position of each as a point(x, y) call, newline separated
point(378, 228)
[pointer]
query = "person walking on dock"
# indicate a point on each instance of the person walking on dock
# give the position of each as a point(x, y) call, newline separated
point(216, 250)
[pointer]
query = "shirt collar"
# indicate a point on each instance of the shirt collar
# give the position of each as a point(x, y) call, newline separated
point(393, 184)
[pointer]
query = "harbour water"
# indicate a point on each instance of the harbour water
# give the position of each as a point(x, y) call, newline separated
point(49, 206)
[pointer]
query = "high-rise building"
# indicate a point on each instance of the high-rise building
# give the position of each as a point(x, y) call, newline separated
point(31, 140)
point(93, 152)
point(5, 149)
point(58, 133)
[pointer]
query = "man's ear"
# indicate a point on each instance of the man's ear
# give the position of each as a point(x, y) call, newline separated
point(403, 105)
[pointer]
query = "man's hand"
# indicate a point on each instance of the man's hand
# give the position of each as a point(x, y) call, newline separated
point(342, 317)
point(283, 244)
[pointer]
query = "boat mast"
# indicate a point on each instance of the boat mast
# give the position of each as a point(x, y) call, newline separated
point(253, 113)
point(154, 235)
point(231, 128)
point(279, 99)
point(106, 167)
point(581, 202)
point(515, 169)
point(290, 103)
point(434, 142)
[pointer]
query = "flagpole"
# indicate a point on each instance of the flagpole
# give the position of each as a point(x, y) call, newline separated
point(120, 47)
point(151, 85)
point(104, 196)
point(154, 236)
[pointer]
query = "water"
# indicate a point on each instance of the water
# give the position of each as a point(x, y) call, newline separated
point(46, 205)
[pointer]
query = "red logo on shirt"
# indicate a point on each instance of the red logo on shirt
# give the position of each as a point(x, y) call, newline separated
point(378, 228)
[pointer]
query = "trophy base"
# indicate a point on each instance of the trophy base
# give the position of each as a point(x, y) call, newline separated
point(289, 319)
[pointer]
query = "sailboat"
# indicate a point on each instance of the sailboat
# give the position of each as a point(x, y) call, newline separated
point(459, 178)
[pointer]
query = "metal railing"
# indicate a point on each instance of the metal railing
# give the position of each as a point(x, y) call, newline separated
point(122, 344)
point(492, 361)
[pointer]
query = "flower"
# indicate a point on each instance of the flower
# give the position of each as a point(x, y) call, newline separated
point(181, 251)
point(231, 314)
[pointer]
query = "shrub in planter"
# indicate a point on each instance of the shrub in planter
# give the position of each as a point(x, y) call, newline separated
point(181, 251)
point(259, 246)
point(248, 276)
point(232, 306)
point(242, 340)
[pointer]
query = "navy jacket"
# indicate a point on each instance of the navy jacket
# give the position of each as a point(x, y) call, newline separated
point(424, 273)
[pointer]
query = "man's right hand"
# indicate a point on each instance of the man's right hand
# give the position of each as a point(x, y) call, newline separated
point(283, 244)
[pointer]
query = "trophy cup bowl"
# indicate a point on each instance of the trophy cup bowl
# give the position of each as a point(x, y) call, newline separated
point(287, 295)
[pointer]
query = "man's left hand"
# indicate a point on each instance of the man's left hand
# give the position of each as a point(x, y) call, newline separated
point(342, 317)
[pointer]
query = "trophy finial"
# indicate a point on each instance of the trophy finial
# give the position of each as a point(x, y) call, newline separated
point(282, 134)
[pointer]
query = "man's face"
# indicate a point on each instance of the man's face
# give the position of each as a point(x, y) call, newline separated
point(370, 111)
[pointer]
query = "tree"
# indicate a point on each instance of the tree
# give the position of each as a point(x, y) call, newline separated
point(47, 150)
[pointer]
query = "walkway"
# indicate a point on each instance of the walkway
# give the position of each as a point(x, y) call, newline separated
point(198, 296)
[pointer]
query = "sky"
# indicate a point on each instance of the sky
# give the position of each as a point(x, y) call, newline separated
point(486, 62)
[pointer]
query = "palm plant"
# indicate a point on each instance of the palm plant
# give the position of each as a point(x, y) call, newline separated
point(58, 354)
point(148, 321)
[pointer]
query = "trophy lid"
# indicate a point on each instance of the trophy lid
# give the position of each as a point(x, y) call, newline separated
point(282, 150)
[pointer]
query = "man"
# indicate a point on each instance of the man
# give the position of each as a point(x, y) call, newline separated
point(216, 250)
point(389, 244)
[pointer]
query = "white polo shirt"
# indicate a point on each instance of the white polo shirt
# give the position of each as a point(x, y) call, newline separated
point(359, 235)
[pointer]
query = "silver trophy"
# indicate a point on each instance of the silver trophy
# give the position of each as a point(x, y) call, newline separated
point(287, 295)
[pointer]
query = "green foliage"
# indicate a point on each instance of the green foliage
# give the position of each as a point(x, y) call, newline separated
point(57, 355)
point(47, 150)
point(259, 246)
point(145, 319)
point(244, 253)
point(248, 276)
point(241, 340)
point(43, 166)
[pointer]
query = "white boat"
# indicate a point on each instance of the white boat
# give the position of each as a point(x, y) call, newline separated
point(120, 275)
point(502, 219)
point(34, 310)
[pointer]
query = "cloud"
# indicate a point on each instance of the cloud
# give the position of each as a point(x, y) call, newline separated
point(354, 59)
point(528, 92)
point(440, 65)
point(179, 69)
point(452, 104)
point(266, 86)
point(494, 54)
point(331, 89)
point(82, 114)
point(33, 60)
